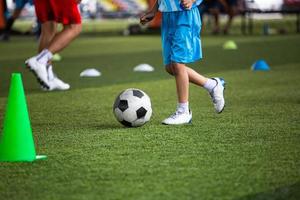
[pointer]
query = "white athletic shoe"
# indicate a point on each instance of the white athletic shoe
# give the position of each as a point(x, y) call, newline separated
point(178, 118)
point(54, 82)
point(57, 84)
point(39, 70)
point(217, 95)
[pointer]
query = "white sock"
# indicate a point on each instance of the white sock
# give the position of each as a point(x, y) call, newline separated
point(183, 107)
point(44, 56)
point(210, 84)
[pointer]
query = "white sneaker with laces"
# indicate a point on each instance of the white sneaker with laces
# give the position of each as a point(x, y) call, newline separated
point(178, 118)
point(57, 84)
point(54, 82)
point(217, 95)
point(39, 70)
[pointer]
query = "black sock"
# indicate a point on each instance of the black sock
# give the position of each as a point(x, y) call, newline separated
point(9, 24)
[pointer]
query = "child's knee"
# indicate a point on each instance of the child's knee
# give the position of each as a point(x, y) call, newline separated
point(177, 68)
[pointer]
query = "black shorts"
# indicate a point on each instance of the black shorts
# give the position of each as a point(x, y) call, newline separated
point(232, 2)
point(207, 5)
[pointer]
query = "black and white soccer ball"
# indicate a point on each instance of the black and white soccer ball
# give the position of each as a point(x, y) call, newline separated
point(132, 108)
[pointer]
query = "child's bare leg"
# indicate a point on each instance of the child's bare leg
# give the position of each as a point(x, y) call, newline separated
point(182, 114)
point(64, 38)
point(182, 82)
point(200, 80)
point(194, 77)
point(47, 34)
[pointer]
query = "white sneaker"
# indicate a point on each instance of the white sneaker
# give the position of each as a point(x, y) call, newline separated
point(57, 84)
point(178, 118)
point(217, 95)
point(39, 70)
point(54, 82)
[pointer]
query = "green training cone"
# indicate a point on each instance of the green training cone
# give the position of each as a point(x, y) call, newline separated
point(230, 45)
point(56, 57)
point(16, 142)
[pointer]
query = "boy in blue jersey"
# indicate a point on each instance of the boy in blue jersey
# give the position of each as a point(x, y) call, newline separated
point(181, 44)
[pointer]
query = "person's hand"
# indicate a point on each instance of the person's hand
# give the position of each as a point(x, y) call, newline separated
point(187, 4)
point(147, 18)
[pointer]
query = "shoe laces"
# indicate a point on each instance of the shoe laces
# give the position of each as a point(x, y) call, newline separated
point(176, 114)
point(213, 97)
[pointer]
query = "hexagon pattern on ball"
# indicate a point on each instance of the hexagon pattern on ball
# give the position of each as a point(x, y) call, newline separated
point(132, 108)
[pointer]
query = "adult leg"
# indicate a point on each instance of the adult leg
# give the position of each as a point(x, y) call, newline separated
point(47, 34)
point(12, 19)
point(231, 14)
point(9, 24)
point(215, 13)
point(64, 38)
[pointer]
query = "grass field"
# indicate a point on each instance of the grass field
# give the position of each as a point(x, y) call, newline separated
point(250, 151)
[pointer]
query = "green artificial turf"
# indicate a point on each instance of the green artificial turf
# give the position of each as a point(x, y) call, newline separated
point(250, 151)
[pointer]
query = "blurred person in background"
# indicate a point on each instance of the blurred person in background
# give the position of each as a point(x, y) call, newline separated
point(215, 7)
point(3, 9)
point(19, 5)
point(231, 8)
point(50, 13)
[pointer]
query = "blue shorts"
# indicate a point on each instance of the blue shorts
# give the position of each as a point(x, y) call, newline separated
point(21, 3)
point(181, 36)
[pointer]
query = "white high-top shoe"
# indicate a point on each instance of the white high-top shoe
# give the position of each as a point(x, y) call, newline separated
point(217, 95)
point(39, 70)
point(54, 82)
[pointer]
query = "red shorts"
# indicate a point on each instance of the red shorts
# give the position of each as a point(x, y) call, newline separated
point(60, 11)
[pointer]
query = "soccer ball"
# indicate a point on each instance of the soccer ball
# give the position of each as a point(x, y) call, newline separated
point(132, 108)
